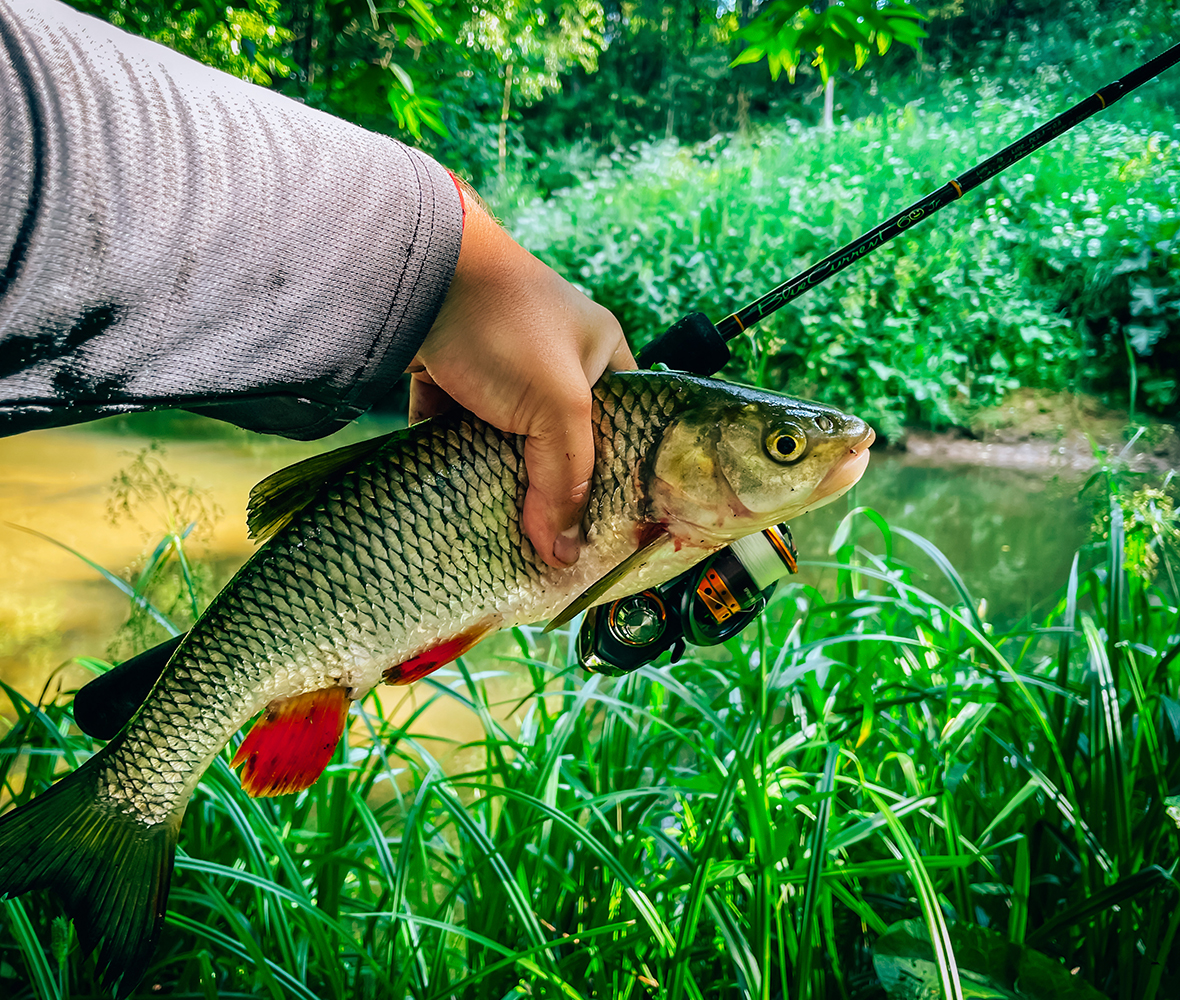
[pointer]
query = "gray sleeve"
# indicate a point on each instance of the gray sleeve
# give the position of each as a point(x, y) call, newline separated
point(173, 237)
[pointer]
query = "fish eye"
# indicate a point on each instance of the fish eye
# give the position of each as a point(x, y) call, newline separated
point(786, 444)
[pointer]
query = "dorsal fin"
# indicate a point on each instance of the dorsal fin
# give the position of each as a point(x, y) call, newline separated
point(281, 495)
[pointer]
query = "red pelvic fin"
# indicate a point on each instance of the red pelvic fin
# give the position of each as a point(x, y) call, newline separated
point(292, 742)
point(431, 659)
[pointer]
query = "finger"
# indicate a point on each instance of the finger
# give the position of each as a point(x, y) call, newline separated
point(622, 360)
point(427, 399)
point(559, 458)
point(608, 346)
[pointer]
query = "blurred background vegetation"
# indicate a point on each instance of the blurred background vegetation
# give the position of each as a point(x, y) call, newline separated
point(672, 155)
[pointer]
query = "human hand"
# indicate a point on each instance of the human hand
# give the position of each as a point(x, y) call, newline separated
point(520, 347)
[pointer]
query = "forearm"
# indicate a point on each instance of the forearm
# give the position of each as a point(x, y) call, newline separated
point(170, 236)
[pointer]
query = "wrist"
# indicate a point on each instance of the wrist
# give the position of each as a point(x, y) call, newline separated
point(491, 276)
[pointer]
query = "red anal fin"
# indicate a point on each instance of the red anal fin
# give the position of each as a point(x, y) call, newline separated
point(417, 667)
point(292, 742)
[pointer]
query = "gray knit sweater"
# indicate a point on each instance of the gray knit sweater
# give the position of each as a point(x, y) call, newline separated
point(173, 237)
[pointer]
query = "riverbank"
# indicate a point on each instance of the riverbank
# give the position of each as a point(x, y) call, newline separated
point(1054, 432)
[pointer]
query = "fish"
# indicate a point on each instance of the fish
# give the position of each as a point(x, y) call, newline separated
point(380, 562)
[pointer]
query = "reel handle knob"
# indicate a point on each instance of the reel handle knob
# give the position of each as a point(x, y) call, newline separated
point(622, 636)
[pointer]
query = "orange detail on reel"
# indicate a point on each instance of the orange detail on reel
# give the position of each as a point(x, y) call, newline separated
point(717, 597)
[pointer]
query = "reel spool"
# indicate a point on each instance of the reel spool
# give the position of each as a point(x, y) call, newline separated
point(710, 603)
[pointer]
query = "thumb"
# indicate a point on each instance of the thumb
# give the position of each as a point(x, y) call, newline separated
point(559, 457)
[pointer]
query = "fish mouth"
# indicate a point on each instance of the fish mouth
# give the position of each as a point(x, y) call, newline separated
point(844, 474)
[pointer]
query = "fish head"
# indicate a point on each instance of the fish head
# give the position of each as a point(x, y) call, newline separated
point(737, 460)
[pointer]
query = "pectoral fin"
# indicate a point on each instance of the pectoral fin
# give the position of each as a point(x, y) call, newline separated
point(431, 659)
point(630, 566)
point(292, 742)
point(105, 705)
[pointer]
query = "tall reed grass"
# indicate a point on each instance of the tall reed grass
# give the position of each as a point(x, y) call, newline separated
point(872, 793)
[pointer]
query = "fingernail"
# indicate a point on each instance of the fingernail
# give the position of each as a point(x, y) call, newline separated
point(568, 545)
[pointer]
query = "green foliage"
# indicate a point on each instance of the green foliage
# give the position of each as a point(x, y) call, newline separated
point(248, 42)
point(993, 966)
point(1071, 46)
point(664, 71)
point(752, 821)
point(612, 74)
point(836, 32)
point(368, 63)
point(540, 40)
point(442, 67)
point(398, 68)
point(1040, 279)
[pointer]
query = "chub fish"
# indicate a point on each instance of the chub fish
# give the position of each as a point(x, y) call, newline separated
point(382, 561)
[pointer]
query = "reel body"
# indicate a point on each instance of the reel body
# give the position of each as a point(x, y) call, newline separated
point(704, 606)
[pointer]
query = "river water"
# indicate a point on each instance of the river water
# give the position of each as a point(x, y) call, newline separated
point(1011, 534)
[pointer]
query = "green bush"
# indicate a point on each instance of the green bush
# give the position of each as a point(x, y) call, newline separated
point(1050, 276)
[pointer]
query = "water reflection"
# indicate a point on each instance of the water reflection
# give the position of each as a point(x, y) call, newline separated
point(1011, 534)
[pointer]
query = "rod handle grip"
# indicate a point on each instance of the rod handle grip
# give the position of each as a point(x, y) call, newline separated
point(692, 344)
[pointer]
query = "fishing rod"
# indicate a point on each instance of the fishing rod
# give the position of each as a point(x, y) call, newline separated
point(696, 345)
point(721, 595)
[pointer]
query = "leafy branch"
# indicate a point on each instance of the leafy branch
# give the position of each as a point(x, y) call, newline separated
point(841, 31)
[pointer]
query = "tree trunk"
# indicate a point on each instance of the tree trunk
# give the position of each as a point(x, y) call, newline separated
point(829, 120)
point(504, 109)
point(305, 20)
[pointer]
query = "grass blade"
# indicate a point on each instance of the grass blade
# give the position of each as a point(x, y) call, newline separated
point(43, 982)
point(940, 938)
point(1115, 895)
point(815, 869)
point(947, 570)
point(110, 577)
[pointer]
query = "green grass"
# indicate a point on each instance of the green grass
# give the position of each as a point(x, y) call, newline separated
point(871, 787)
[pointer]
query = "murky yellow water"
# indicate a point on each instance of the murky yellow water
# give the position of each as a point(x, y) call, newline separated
point(58, 482)
point(52, 605)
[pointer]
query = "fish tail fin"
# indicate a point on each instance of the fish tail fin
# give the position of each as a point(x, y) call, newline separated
point(110, 869)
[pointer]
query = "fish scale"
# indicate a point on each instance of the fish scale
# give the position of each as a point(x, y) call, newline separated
point(387, 559)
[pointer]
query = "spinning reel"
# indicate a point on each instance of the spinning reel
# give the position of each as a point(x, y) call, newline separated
point(708, 604)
